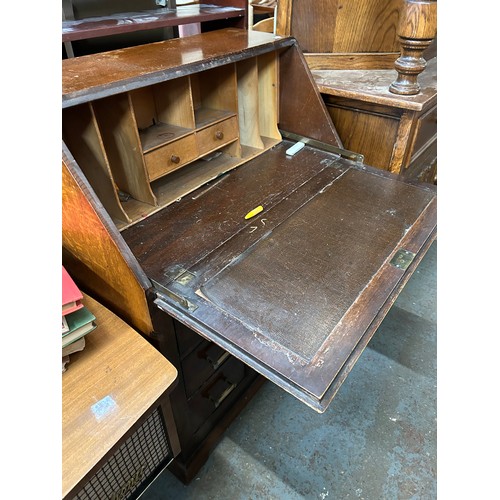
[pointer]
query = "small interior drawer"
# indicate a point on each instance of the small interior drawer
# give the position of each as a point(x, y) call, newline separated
point(199, 366)
point(170, 157)
point(217, 135)
point(217, 390)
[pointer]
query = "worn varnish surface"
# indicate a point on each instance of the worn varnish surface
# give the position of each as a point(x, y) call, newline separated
point(106, 73)
point(373, 86)
point(293, 291)
point(106, 388)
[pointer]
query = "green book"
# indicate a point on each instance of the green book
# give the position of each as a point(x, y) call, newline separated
point(80, 323)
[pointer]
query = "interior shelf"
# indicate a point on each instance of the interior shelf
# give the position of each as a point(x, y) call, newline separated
point(161, 134)
point(155, 144)
point(205, 117)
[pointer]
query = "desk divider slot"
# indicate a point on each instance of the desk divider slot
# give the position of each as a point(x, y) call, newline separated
point(82, 136)
point(159, 143)
point(121, 139)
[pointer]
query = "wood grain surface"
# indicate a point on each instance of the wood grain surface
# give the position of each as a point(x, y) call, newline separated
point(335, 26)
point(292, 291)
point(95, 254)
point(373, 86)
point(98, 75)
point(107, 387)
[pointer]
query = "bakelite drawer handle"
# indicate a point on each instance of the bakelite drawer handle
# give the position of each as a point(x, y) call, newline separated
point(175, 159)
point(215, 364)
point(217, 402)
point(219, 135)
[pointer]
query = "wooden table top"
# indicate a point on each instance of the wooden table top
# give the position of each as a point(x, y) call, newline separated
point(373, 86)
point(106, 388)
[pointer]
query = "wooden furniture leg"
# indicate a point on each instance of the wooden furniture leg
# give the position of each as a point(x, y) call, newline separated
point(416, 30)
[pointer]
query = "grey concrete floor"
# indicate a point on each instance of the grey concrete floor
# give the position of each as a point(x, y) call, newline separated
point(377, 440)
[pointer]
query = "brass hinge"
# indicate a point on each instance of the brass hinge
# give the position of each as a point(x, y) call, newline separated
point(161, 292)
point(344, 153)
point(402, 259)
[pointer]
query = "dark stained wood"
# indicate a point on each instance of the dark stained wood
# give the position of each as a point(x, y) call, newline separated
point(129, 22)
point(256, 293)
point(231, 197)
point(197, 437)
point(99, 75)
point(301, 108)
point(293, 292)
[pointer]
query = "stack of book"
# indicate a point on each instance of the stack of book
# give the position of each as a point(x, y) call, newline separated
point(77, 320)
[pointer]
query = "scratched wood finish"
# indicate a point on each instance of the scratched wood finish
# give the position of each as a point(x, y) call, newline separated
point(313, 196)
point(116, 363)
point(265, 266)
point(373, 87)
point(95, 254)
point(90, 77)
point(216, 213)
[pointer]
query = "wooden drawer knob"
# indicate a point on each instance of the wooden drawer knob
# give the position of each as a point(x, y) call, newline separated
point(175, 159)
point(219, 135)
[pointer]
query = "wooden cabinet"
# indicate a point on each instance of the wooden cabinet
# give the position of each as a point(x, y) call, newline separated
point(394, 133)
point(150, 145)
point(167, 148)
point(213, 388)
point(351, 48)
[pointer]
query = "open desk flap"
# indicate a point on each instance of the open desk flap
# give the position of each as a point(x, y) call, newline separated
point(297, 291)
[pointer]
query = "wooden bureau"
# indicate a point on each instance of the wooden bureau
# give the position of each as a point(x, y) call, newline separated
point(167, 147)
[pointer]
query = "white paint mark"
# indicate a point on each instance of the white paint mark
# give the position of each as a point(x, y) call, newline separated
point(103, 408)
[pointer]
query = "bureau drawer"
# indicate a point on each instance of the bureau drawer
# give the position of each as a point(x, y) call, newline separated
point(170, 157)
point(201, 364)
point(218, 389)
point(217, 135)
point(187, 340)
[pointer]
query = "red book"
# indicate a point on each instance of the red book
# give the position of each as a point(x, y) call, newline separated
point(71, 295)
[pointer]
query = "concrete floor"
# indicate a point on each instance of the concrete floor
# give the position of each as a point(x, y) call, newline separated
point(377, 440)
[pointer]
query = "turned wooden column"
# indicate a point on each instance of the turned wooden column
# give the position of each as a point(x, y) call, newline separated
point(416, 30)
